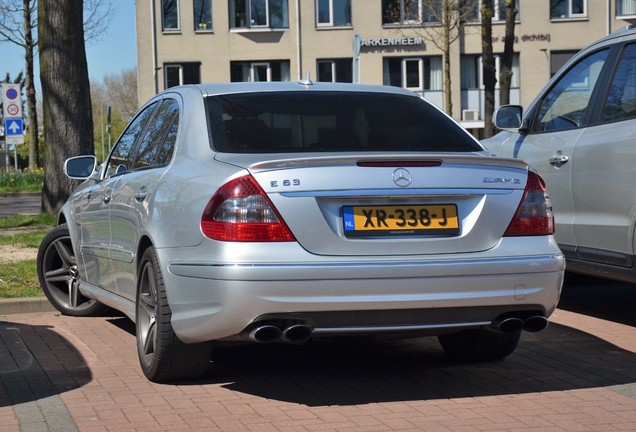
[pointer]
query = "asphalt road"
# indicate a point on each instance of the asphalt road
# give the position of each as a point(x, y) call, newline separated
point(20, 203)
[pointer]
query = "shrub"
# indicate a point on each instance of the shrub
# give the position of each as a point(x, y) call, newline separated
point(21, 180)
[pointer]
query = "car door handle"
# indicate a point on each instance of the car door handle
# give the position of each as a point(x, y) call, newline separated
point(140, 195)
point(107, 198)
point(557, 161)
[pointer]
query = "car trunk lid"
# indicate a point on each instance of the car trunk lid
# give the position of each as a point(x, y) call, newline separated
point(372, 205)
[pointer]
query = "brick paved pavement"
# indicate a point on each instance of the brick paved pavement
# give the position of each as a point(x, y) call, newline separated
point(61, 373)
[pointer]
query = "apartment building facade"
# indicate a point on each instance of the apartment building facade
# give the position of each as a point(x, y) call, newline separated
point(382, 42)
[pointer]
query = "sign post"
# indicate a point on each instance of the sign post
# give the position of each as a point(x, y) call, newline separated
point(12, 110)
point(13, 131)
point(13, 126)
point(357, 44)
point(11, 100)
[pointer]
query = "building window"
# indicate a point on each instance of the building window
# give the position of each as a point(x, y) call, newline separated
point(170, 14)
point(333, 13)
point(416, 73)
point(182, 73)
point(471, 10)
point(410, 11)
point(561, 9)
point(202, 15)
point(625, 7)
point(255, 14)
point(337, 70)
point(558, 59)
point(266, 71)
point(471, 72)
point(499, 10)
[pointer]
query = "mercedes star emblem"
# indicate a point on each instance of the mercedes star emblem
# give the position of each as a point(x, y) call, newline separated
point(402, 177)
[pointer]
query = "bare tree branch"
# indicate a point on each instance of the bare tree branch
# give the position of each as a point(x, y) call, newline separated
point(97, 16)
point(440, 22)
point(19, 25)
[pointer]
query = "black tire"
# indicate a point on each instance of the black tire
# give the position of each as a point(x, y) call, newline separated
point(479, 344)
point(59, 276)
point(162, 355)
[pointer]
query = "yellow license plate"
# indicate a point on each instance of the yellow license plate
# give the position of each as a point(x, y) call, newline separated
point(400, 220)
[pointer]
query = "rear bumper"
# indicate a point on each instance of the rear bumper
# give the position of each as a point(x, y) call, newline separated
point(219, 300)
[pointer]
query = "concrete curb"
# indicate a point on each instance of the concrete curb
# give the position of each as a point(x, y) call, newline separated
point(19, 194)
point(25, 305)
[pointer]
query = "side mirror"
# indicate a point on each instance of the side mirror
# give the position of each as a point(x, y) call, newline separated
point(508, 117)
point(80, 167)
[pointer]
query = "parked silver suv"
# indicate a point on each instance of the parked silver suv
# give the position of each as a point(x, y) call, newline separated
point(580, 135)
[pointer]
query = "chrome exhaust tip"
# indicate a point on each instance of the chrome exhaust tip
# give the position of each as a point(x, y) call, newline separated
point(508, 325)
point(297, 333)
point(265, 334)
point(535, 324)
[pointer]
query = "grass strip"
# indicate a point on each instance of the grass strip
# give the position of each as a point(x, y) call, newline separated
point(19, 280)
point(19, 221)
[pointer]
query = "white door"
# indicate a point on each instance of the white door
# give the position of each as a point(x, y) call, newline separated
point(604, 172)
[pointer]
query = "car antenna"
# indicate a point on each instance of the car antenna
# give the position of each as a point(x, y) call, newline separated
point(307, 81)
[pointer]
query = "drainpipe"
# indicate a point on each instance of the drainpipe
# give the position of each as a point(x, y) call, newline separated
point(298, 42)
point(608, 8)
point(154, 45)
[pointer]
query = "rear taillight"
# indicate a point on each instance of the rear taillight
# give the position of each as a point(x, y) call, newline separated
point(534, 214)
point(240, 211)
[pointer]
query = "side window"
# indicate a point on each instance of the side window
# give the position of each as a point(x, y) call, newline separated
point(120, 158)
point(565, 105)
point(621, 100)
point(165, 155)
point(155, 134)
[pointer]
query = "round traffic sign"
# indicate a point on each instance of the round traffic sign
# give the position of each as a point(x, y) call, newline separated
point(12, 93)
point(13, 109)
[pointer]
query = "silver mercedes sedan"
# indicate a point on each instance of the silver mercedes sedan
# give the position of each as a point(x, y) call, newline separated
point(285, 212)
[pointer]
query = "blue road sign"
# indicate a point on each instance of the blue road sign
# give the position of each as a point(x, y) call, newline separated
point(13, 127)
point(13, 131)
point(12, 93)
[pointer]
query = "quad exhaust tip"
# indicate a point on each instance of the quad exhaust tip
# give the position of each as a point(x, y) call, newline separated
point(511, 325)
point(297, 333)
point(535, 324)
point(265, 334)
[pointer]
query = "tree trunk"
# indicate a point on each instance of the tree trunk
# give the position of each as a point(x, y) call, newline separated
point(67, 119)
point(448, 103)
point(505, 75)
point(448, 100)
point(30, 88)
point(488, 67)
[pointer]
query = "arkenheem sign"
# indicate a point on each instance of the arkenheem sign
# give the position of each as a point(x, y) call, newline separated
point(397, 41)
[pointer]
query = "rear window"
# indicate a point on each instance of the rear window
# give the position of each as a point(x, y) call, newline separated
point(305, 121)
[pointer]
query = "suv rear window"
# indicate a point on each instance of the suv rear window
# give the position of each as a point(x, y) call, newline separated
point(306, 121)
